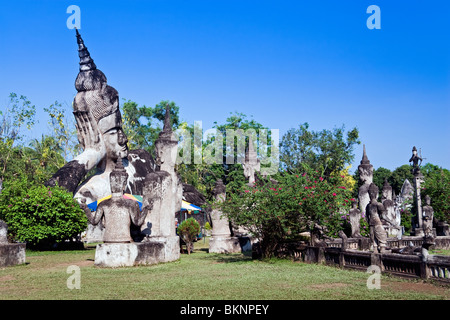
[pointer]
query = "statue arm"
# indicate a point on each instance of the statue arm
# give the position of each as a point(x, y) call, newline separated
point(138, 216)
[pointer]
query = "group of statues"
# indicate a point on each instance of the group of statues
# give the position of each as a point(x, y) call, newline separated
point(384, 217)
point(119, 170)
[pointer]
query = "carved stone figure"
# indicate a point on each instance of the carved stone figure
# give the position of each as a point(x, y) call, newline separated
point(374, 211)
point(3, 232)
point(251, 163)
point(355, 216)
point(365, 170)
point(99, 130)
point(416, 161)
point(117, 212)
point(389, 219)
point(428, 215)
point(221, 240)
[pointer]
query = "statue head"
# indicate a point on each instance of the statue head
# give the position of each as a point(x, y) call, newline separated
point(101, 101)
point(386, 193)
point(414, 150)
point(373, 192)
point(166, 146)
point(365, 169)
point(118, 178)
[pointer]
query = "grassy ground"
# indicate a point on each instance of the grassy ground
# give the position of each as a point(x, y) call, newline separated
point(200, 276)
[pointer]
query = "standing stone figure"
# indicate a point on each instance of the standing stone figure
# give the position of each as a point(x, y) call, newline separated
point(416, 161)
point(3, 232)
point(355, 216)
point(221, 240)
point(389, 218)
point(365, 170)
point(251, 163)
point(374, 211)
point(117, 212)
point(428, 215)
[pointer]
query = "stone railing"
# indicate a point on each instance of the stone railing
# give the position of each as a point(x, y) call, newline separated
point(410, 266)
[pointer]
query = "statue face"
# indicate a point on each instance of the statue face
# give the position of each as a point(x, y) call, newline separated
point(113, 136)
point(365, 175)
point(166, 153)
point(118, 182)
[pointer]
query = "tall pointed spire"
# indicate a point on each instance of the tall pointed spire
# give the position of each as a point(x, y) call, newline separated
point(365, 159)
point(167, 120)
point(86, 62)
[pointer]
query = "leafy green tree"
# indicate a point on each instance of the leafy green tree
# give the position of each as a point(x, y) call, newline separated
point(437, 186)
point(17, 114)
point(398, 177)
point(380, 175)
point(326, 151)
point(39, 215)
point(298, 202)
point(188, 230)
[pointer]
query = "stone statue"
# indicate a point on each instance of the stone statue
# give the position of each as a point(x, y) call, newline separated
point(251, 163)
point(3, 232)
point(365, 170)
point(117, 212)
point(355, 216)
point(428, 215)
point(374, 211)
point(99, 130)
point(416, 161)
point(389, 219)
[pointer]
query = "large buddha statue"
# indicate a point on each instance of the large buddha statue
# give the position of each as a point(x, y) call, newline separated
point(99, 130)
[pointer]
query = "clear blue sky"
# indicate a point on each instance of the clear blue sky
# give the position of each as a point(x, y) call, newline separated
point(282, 62)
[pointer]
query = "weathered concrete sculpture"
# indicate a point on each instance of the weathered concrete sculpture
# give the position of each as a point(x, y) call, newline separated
point(374, 211)
point(365, 170)
point(99, 130)
point(416, 161)
point(428, 215)
point(10, 253)
point(418, 180)
point(162, 196)
point(391, 218)
point(355, 217)
point(221, 240)
point(117, 212)
point(251, 163)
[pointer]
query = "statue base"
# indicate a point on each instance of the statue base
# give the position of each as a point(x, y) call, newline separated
point(171, 247)
point(224, 244)
point(116, 255)
point(12, 254)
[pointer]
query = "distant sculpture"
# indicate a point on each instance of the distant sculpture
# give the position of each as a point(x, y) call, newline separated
point(428, 215)
point(3, 232)
point(374, 211)
point(416, 161)
point(163, 187)
point(390, 219)
point(355, 217)
point(251, 163)
point(118, 213)
point(365, 170)
point(99, 130)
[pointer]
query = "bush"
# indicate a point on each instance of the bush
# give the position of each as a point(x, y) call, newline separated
point(188, 230)
point(298, 202)
point(39, 215)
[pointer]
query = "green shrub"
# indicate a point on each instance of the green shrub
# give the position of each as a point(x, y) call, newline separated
point(188, 230)
point(39, 215)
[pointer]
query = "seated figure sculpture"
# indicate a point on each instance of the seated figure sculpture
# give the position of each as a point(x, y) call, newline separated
point(374, 211)
point(117, 212)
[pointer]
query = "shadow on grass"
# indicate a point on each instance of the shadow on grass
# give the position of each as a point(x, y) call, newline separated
point(227, 257)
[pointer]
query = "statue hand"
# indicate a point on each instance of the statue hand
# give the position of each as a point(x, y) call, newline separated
point(90, 138)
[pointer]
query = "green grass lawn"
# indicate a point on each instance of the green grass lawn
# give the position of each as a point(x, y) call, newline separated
point(200, 276)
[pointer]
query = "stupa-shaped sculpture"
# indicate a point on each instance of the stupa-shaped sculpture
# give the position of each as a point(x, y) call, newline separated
point(221, 240)
point(163, 194)
point(251, 163)
point(365, 170)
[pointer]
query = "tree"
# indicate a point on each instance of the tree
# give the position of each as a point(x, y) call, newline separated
point(398, 177)
point(188, 230)
point(437, 186)
point(325, 151)
point(278, 212)
point(380, 175)
point(18, 113)
point(143, 124)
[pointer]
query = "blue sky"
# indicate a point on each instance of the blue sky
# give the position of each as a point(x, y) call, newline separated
point(282, 62)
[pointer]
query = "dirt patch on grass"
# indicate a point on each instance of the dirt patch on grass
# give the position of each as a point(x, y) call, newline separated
point(324, 286)
point(419, 287)
point(7, 278)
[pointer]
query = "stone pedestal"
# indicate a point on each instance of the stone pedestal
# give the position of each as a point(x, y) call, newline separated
point(12, 254)
point(115, 255)
point(224, 244)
